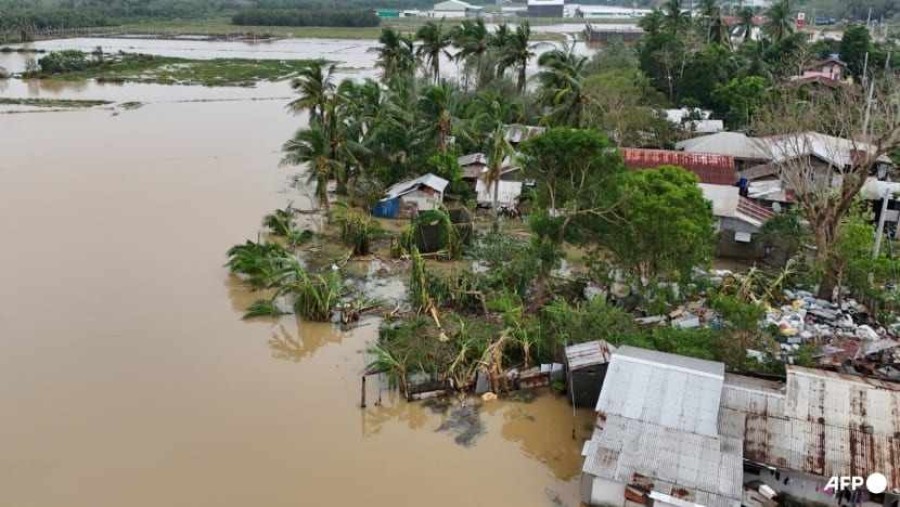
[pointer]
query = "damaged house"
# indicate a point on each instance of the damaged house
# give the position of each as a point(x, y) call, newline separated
point(679, 431)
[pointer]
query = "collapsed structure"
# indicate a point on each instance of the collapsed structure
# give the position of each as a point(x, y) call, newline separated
point(679, 431)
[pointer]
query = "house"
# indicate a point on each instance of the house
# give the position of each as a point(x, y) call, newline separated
point(508, 193)
point(830, 69)
point(746, 151)
point(420, 194)
point(546, 8)
point(656, 440)
point(709, 167)
point(693, 120)
point(475, 165)
point(738, 221)
point(456, 9)
point(816, 425)
point(680, 431)
point(586, 366)
point(516, 134)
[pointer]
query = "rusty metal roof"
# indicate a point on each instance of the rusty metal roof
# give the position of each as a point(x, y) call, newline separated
point(709, 167)
point(585, 354)
point(822, 422)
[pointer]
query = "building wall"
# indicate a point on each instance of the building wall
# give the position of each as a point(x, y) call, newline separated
point(597, 491)
point(545, 11)
point(422, 199)
point(726, 245)
point(448, 14)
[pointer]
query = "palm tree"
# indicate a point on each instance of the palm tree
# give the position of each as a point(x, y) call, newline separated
point(313, 147)
point(314, 84)
point(674, 16)
point(436, 102)
point(561, 80)
point(396, 56)
point(515, 52)
point(499, 150)
point(472, 39)
point(653, 23)
point(434, 43)
point(778, 23)
point(746, 21)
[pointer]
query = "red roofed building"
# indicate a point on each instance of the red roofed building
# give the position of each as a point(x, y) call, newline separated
point(709, 168)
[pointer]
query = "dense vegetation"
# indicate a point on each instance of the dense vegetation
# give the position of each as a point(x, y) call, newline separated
point(127, 67)
point(307, 17)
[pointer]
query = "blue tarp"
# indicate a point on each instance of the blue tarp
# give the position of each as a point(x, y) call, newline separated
point(388, 208)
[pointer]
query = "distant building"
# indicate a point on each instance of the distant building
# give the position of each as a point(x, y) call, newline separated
point(828, 71)
point(738, 221)
point(456, 9)
point(586, 365)
point(546, 8)
point(709, 167)
point(420, 194)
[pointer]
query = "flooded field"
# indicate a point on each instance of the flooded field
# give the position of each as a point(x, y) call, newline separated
point(127, 376)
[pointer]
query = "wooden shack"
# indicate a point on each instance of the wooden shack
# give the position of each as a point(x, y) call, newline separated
point(586, 365)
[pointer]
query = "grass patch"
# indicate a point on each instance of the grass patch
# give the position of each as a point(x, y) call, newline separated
point(5, 101)
point(138, 68)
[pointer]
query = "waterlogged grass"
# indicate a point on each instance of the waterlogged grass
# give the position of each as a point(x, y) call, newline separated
point(52, 103)
point(136, 68)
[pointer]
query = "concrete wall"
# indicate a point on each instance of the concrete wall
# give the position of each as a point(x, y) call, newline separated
point(597, 491)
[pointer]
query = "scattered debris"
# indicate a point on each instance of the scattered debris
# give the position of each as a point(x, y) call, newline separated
point(465, 422)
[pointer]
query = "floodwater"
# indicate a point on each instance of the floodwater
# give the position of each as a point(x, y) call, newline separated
point(127, 376)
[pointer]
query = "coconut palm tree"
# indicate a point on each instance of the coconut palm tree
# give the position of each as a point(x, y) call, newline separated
point(312, 146)
point(434, 41)
point(314, 83)
point(653, 23)
point(396, 56)
point(778, 21)
point(473, 40)
point(515, 53)
point(436, 103)
point(675, 19)
point(561, 78)
point(499, 150)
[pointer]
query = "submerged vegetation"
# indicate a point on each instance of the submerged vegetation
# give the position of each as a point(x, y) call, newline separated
point(139, 68)
point(54, 103)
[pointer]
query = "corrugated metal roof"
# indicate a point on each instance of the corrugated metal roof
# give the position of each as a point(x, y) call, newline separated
point(517, 133)
point(735, 144)
point(671, 459)
point(429, 180)
point(709, 167)
point(822, 423)
point(585, 354)
point(472, 158)
point(672, 391)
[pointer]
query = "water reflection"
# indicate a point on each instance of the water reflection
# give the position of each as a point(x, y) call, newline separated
point(294, 340)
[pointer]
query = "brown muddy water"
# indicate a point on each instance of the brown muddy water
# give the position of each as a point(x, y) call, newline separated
point(127, 377)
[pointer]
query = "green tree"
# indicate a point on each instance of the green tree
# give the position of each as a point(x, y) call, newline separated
point(515, 52)
point(312, 146)
point(676, 17)
point(665, 225)
point(561, 78)
point(576, 174)
point(433, 44)
point(499, 150)
point(745, 17)
point(779, 21)
point(473, 40)
point(313, 85)
point(395, 54)
point(855, 43)
point(739, 99)
point(619, 103)
point(437, 104)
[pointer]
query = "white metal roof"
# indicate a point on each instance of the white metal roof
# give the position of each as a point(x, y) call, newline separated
point(455, 6)
point(735, 144)
point(472, 158)
point(709, 468)
point(428, 180)
point(546, 2)
point(672, 391)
